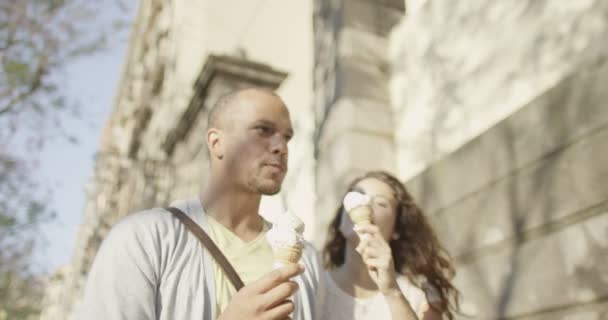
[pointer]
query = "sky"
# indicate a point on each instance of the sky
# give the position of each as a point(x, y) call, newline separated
point(67, 167)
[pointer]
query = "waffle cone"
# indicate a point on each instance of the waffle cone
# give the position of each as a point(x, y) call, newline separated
point(361, 215)
point(288, 255)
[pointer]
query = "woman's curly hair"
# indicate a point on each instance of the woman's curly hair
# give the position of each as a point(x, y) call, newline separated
point(415, 247)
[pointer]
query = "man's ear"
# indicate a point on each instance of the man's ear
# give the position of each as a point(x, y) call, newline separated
point(215, 143)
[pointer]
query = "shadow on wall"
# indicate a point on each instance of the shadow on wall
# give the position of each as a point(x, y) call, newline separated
point(586, 275)
point(541, 185)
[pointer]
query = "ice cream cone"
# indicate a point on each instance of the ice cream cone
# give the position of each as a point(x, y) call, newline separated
point(286, 255)
point(357, 205)
point(361, 215)
point(285, 238)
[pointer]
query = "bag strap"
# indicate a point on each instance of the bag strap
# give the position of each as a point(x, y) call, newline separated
point(206, 241)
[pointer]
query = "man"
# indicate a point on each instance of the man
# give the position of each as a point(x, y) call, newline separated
point(151, 267)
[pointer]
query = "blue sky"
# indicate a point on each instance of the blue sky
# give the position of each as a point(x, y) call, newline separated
point(65, 167)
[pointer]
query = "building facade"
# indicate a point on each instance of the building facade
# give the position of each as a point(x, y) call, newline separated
point(495, 114)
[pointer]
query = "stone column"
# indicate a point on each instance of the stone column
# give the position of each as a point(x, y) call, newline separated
point(352, 101)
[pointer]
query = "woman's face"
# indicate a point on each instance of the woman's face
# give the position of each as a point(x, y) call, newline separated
point(384, 207)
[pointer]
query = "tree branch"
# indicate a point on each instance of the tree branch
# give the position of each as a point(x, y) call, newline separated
point(31, 90)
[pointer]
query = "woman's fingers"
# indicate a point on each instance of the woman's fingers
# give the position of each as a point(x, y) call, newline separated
point(369, 251)
point(375, 252)
point(371, 247)
point(369, 234)
point(363, 244)
point(372, 242)
point(366, 229)
point(377, 263)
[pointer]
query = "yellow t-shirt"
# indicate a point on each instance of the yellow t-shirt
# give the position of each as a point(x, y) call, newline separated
point(251, 260)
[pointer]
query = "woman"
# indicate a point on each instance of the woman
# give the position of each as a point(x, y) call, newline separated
point(393, 268)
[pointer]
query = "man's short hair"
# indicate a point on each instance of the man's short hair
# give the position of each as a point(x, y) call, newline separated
point(226, 101)
point(219, 108)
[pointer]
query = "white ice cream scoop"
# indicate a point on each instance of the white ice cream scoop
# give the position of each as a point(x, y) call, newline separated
point(285, 238)
point(355, 199)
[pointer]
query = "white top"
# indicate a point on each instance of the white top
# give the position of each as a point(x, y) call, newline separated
point(339, 305)
point(151, 267)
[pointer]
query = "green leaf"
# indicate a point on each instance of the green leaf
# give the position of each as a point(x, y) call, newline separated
point(58, 103)
point(34, 210)
point(17, 72)
point(7, 221)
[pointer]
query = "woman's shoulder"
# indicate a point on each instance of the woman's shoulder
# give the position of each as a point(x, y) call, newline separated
point(418, 292)
point(409, 287)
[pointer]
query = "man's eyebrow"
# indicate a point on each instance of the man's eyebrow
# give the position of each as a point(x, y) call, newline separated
point(272, 124)
point(266, 122)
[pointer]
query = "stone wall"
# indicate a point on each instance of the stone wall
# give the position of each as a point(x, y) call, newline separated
point(459, 67)
point(523, 208)
point(501, 118)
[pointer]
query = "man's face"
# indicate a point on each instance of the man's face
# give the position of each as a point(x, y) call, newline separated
point(256, 143)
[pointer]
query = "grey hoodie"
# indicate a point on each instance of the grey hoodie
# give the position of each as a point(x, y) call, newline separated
point(151, 267)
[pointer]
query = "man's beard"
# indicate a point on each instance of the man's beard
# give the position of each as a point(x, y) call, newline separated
point(263, 187)
point(269, 191)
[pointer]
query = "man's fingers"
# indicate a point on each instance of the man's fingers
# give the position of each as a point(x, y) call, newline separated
point(279, 294)
point(275, 277)
point(281, 311)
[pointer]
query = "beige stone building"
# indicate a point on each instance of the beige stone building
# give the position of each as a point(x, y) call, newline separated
point(495, 114)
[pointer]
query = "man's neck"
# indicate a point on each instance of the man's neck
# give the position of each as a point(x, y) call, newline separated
point(236, 210)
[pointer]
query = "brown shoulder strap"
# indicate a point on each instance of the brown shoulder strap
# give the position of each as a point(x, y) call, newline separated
point(210, 246)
